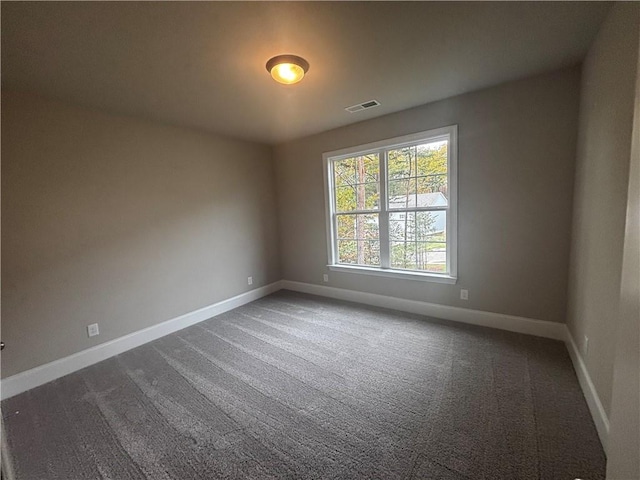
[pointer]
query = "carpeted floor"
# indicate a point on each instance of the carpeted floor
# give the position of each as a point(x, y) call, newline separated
point(296, 386)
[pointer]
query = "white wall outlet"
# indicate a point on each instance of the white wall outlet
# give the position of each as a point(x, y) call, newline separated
point(464, 294)
point(325, 277)
point(586, 345)
point(249, 280)
point(93, 330)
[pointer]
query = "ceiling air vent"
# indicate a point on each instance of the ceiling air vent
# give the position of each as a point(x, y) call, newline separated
point(362, 106)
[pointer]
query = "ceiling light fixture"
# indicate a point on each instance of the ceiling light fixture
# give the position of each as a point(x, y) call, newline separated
point(287, 69)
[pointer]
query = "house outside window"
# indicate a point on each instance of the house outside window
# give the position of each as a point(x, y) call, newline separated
point(392, 207)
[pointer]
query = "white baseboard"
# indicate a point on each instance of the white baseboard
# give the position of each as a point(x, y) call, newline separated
point(540, 328)
point(588, 388)
point(35, 377)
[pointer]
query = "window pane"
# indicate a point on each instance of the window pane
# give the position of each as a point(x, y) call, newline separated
point(401, 256)
point(347, 251)
point(358, 239)
point(400, 163)
point(418, 176)
point(363, 196)
point(359, 252)
point(347, 227)
point(367, 227)
point(344, 172)
point(402, 193)
point(372, 253)
point(359, 169)
point(431, 226)
point(417, 240)
point(436, 257)
point(368, 196)
point(345, 199)
point(368, 168)
point(401, 225)
point(431, 158)
point(357, 183)
point(358, 226)
point(432, 191)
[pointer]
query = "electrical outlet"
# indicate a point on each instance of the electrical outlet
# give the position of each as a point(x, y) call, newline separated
point(249, 280)
point(464, 294)
point(586, 345)
point(92, 330)
point(325, 277)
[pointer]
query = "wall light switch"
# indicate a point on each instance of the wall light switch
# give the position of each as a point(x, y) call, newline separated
point(92, 330)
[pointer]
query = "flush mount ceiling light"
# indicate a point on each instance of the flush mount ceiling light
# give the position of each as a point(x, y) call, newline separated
point(287, 69)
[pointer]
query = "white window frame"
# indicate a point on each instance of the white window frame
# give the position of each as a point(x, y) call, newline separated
point(381, 148)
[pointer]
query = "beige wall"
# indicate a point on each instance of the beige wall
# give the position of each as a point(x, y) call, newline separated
point(624, 441)
point(606, 114)
point(123, 222)
point(516, 166)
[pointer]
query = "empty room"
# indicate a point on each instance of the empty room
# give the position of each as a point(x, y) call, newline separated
point(320, 240)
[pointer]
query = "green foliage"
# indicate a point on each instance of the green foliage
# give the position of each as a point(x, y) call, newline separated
point(359, 239)
point(410, 170)
point(415, 243)
point(357, 182)
point(417, 169)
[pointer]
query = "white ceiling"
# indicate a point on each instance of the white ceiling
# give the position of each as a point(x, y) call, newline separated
point(202, 64)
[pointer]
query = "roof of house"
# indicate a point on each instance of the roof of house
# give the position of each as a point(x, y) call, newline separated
point(435, 199)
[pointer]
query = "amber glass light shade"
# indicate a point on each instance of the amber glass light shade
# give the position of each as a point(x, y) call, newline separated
point(287, 69)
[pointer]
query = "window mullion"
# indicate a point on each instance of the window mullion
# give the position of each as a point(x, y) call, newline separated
point(334, 216)
point(384, 213)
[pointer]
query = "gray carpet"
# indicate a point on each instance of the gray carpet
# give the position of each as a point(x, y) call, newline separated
point(297, 386)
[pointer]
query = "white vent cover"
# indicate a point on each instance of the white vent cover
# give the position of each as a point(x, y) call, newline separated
point(362, 106)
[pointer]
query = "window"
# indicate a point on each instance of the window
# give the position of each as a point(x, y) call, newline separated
point(391, 207)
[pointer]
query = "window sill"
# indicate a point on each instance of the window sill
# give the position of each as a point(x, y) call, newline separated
point(404, 274)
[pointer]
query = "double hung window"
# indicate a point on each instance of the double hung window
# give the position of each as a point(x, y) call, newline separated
point(391, 207)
